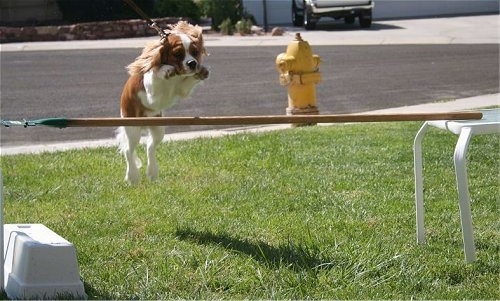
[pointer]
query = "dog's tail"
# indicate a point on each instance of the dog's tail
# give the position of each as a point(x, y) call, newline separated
point(123, 144)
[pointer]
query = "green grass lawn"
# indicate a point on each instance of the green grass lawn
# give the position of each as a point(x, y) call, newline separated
point(304, 213)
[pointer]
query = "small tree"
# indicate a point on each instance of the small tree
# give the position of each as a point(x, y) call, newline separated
point(101, 10)
point(178, 8)
point(220, 10)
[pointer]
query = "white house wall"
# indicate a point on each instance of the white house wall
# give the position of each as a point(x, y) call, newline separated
point(385, 9)
point(279, 11)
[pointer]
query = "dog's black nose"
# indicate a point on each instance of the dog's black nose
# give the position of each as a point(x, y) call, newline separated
point(192, 64)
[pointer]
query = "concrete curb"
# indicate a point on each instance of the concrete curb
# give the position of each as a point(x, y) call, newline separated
point(451, 30)
point(456, 105)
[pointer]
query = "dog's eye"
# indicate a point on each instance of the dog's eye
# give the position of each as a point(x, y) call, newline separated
point(179, 55)
point(195, 52)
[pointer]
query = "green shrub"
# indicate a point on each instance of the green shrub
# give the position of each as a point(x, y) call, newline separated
point(244, 26)
point(226, 27)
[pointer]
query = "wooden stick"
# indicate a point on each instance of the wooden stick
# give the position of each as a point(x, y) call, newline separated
point(247, 120)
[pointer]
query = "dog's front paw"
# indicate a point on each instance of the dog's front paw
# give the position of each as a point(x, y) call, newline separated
point(166, 71)
point(132, 177)
point(152, 172)
point(202, 73)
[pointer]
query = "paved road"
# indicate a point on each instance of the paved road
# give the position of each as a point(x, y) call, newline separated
point(82, 83)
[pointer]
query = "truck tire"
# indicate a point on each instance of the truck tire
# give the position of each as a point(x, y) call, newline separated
point(365, 20)
point(309, 23)
point(349, 20)
point(297, 19)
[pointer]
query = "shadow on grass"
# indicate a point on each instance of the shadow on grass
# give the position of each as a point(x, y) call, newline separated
point(292, 256)
point(94, 294)
point(91, 294)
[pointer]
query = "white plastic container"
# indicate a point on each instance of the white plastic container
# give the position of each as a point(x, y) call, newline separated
point(40, 264)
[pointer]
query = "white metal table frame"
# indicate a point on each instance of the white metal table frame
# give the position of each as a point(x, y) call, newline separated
point(490, 123)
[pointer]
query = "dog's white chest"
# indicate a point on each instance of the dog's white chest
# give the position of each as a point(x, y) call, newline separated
point(159, 93)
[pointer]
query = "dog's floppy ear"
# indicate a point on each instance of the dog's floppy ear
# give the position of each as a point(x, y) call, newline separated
point(151, 57)
point(199, 38)
point(163, 52)
point(196, 33)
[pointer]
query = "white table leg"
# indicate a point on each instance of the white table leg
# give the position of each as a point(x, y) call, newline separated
point(463, 193)
point(419, 182)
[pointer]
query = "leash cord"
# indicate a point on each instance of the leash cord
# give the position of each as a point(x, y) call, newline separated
point(151, 23)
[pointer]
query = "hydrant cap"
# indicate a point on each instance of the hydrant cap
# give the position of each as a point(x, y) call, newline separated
point(302, 54)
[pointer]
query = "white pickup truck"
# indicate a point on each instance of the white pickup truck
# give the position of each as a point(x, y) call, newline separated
point(307, 12)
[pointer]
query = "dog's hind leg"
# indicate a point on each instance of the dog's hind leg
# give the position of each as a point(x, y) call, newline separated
point(128, 139)
point(156, 134)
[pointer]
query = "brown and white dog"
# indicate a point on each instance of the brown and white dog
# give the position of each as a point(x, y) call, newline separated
point(167, 70)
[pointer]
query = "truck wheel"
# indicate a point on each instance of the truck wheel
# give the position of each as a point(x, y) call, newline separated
point(297, 19)
point(309, 23)
point(365, 20)
point(349, 20)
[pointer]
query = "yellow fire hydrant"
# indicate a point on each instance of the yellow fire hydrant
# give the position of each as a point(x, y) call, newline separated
point(298, 69)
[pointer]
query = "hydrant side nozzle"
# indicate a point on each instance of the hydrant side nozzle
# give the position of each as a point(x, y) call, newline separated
point(316, 61)
point(284, 62)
